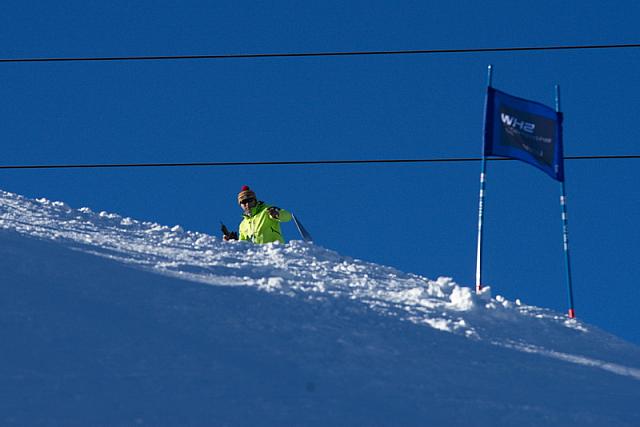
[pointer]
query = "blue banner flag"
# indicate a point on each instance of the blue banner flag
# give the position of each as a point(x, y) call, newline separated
point(524, 130)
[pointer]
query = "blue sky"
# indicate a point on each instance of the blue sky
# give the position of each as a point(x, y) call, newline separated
point(420, 218)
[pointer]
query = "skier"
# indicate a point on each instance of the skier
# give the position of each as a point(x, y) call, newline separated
point(261, 222)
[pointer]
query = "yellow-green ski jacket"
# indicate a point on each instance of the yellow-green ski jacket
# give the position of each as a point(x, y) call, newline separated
point(259, 227)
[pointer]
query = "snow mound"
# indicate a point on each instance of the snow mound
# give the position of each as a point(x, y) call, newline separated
point(304, 270)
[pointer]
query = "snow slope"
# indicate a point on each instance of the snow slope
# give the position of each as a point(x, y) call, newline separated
point(108, 320)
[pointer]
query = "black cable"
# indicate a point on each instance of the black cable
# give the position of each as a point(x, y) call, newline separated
point(295, 162)
point(321, 54)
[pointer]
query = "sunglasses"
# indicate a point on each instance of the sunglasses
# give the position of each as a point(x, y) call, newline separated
point(247, 201)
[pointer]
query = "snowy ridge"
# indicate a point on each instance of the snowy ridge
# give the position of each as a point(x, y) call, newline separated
point(304, 270)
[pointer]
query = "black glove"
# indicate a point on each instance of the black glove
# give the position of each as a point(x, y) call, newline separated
point(228, 235)
point(274, 212)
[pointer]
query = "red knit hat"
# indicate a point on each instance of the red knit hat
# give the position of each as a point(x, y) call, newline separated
point(246, 193)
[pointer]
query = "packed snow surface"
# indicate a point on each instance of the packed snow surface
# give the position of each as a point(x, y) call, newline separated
point(299, 271)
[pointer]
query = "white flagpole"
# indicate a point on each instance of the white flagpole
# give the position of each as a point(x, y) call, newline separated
point(565, 228)
point(481, 203)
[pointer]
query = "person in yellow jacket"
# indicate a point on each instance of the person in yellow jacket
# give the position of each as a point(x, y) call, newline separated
point(261, 222)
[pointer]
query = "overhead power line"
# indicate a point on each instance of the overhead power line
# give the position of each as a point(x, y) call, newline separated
point(322, 54)
point(294, 162)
